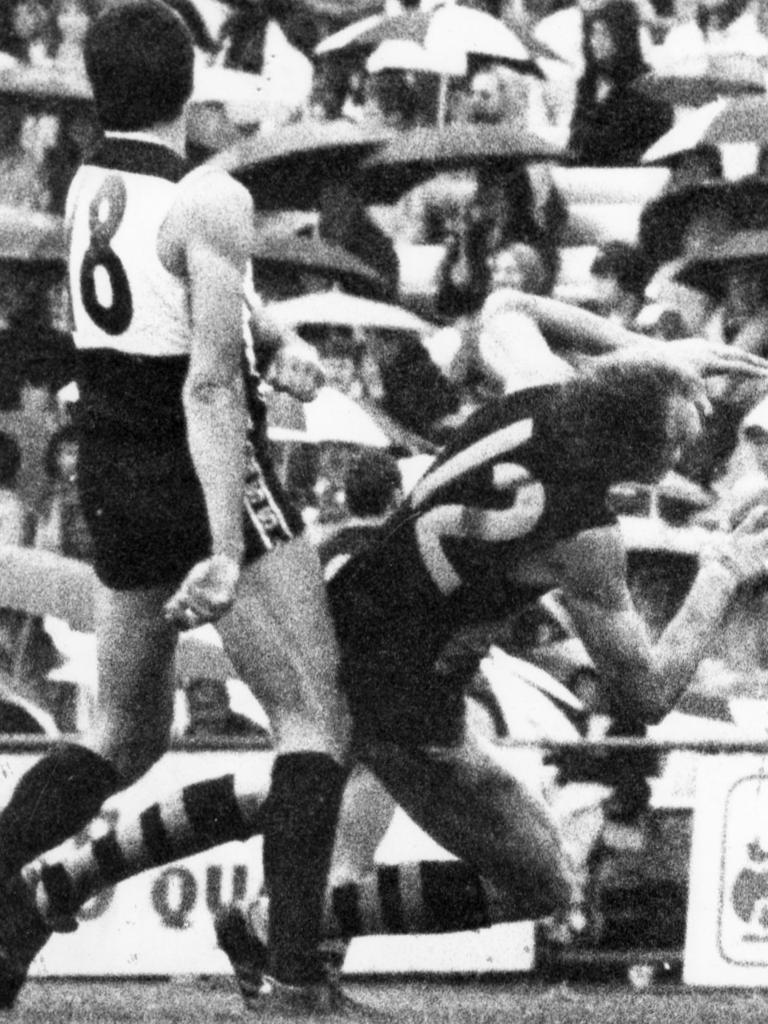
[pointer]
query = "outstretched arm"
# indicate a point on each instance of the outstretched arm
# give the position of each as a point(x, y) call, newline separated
point(577, 330)
point(645, 678)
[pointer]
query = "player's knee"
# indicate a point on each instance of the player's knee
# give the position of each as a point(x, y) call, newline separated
point(522, 895)
point(131, 756)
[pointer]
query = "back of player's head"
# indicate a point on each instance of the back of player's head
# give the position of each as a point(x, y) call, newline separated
point(616, 415)
point(139, 57)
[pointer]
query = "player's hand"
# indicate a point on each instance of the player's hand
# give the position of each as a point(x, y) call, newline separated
point(296, 369)
point(206, 593)
point(709, 359)
point(744, 551)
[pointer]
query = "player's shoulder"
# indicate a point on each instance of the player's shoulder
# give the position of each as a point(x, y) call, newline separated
point(209, 191)
point(211, 207)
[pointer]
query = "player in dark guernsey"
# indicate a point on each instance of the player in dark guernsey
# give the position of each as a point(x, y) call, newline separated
point(514, 507)
point(188, 523)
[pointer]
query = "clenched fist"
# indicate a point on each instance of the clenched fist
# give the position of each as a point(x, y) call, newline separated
point(296, 370)
point(206, 593)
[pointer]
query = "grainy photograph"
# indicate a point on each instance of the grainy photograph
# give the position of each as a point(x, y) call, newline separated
point(383, 511)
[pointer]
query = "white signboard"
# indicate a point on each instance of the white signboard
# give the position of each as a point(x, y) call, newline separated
point(727, 930)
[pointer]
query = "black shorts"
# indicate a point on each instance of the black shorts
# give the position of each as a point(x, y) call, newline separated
point(147, 515)
point(388, 673)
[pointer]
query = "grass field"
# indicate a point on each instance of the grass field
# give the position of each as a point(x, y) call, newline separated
point(495, 1002)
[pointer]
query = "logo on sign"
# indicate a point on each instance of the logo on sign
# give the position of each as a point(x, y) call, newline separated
point(749, 895)
point(743, 918)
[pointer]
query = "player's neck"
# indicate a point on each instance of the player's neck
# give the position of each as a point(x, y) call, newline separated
point(171, 134)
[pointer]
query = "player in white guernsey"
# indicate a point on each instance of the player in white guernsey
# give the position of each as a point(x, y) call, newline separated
point(188, 524)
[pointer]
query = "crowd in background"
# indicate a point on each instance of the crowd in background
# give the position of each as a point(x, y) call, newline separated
point(696, 266)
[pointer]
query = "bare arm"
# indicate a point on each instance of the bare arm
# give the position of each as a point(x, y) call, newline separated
point(217, 248)
point(576, 330)
point(211, 227)
point(646, 678)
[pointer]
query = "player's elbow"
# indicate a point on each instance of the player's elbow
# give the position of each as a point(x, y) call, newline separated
point(210, 390)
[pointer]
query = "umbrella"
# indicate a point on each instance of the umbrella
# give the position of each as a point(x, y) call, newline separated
point(285, 169)
point(740, 119)
point(708, 273)
point(447, 29)
point(339, 310)
point(743, 201)
point(688, 133)
point(407, 55)
point(28, 236)
point(703, 79)
point(331, 417)
point(414, 155)
point(315, 255)
point(48, 89)
point(335, 418)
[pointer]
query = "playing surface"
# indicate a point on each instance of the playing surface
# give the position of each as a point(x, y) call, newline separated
point(510, 1002)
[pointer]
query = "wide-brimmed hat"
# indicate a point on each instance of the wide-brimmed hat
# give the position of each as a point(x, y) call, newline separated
point(708, 274)
point(665, 220)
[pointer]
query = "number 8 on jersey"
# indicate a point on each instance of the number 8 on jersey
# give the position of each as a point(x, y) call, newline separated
point(104, 287)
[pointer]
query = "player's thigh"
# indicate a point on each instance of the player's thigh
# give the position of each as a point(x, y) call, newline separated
point(135, 653)
point(290, 583)
point(466, 799)
point(279, 635)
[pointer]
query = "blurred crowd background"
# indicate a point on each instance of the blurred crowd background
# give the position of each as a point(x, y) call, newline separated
point(611, 153)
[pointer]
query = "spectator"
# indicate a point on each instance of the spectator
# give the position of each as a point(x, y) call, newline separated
point(691, 166)
point(613, 124)
point(22, 178)
point(499, 350)
point(723, 30)
point(681, 224)
point(501, 211)
point(521, 267)
point(561, 31)
point(29, 31)
point(618, 271)
point(73, 18)
point(344, 220)
point(61, 526)
point(499, 94)
point(690, 223)
point(372, 489)
point(13, 515)
point(395, 95)
point(734, 274)
point(273, 42)
point(33, 350)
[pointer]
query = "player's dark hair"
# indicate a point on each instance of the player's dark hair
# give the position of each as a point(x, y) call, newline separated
point(624, 263)
point(139, 57)
point(615, 418)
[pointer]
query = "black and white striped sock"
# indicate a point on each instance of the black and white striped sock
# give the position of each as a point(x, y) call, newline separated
point(193, 819)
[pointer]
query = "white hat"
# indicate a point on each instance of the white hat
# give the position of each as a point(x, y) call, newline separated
point(408, 55)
